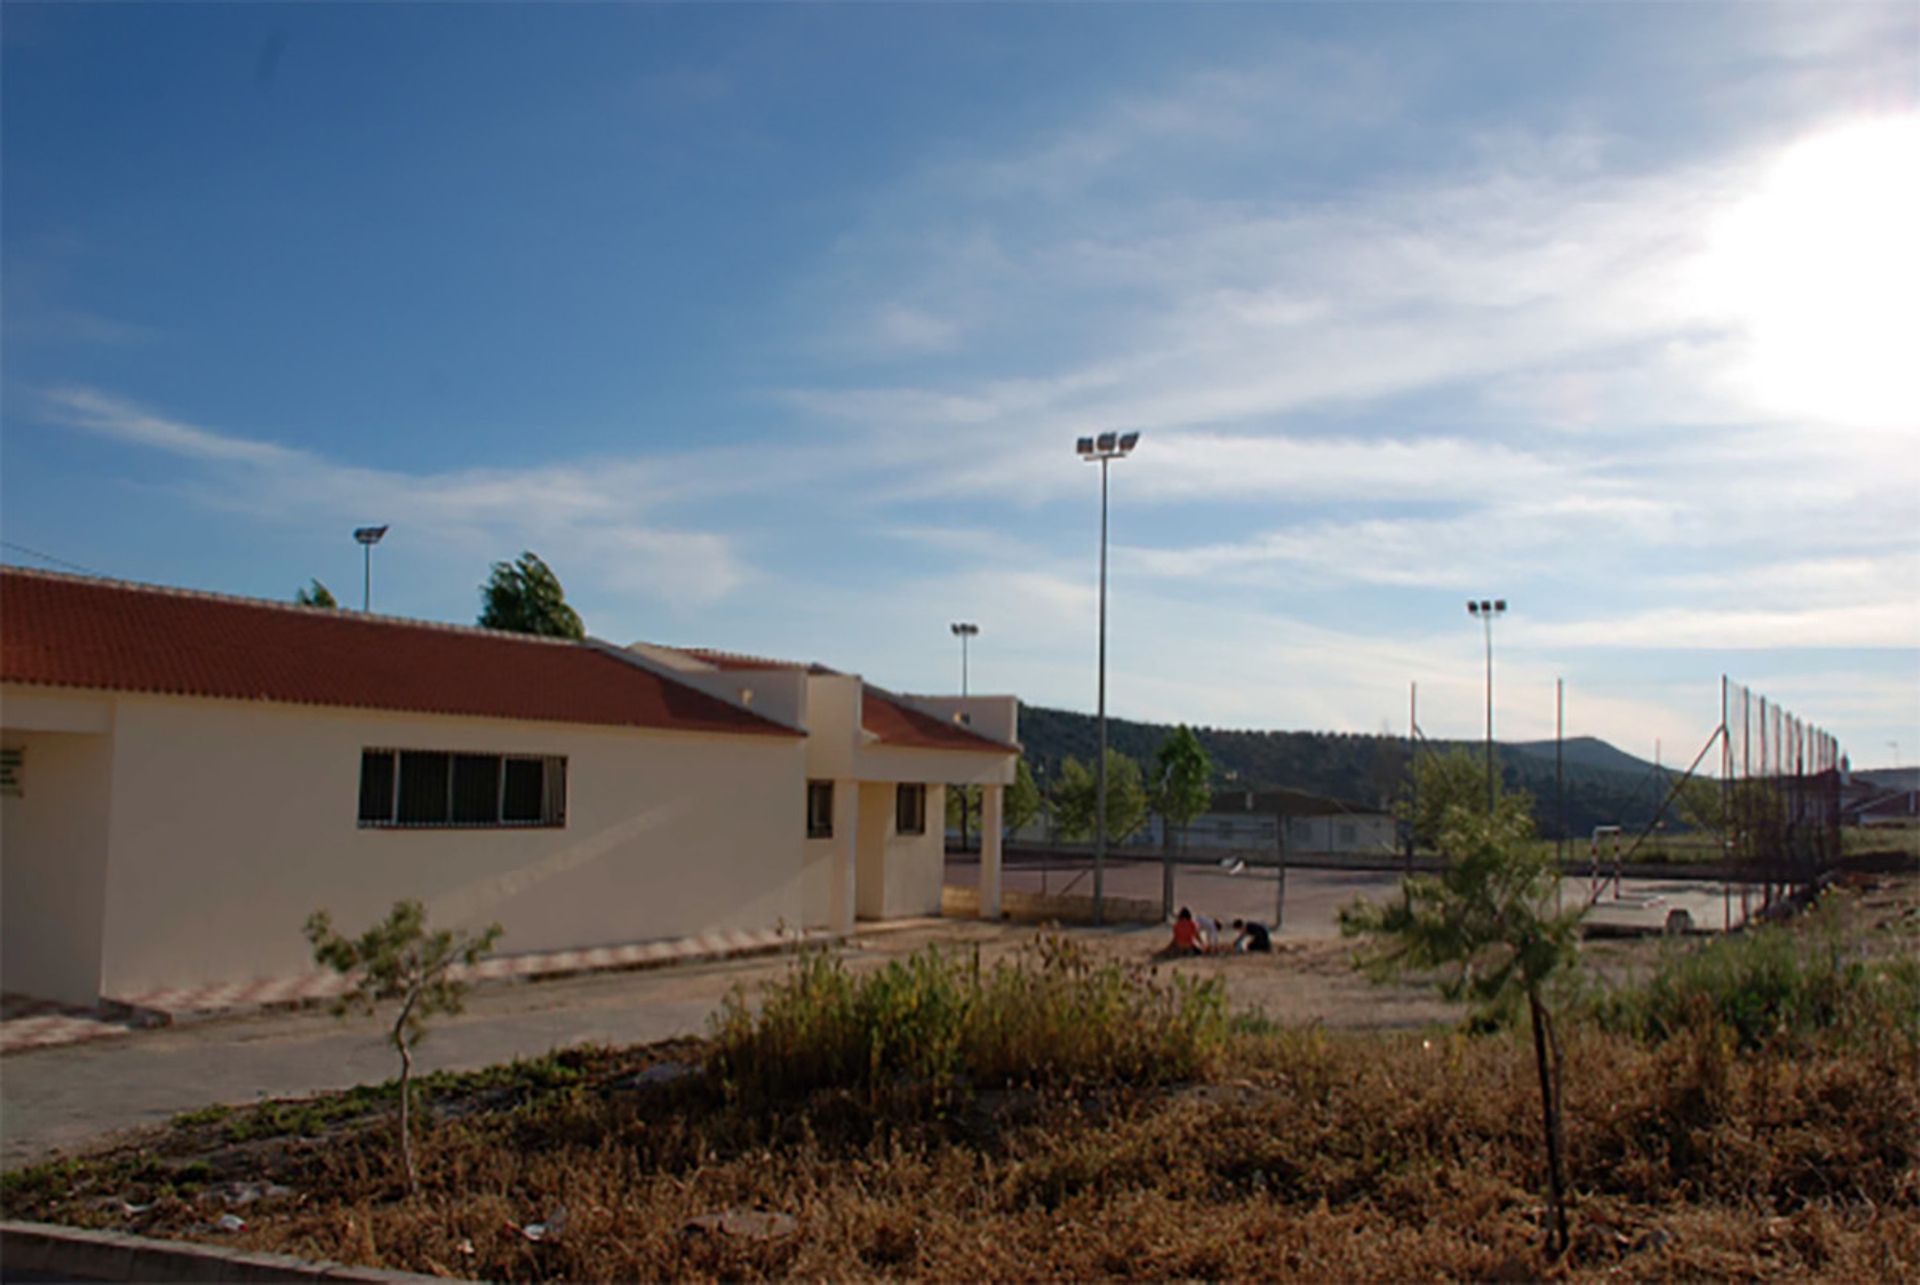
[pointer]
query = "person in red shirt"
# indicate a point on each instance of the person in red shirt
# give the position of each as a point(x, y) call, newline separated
point(1186, 934)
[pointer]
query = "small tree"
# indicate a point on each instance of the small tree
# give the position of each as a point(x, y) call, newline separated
point(1023, 799)
point(963, 804)
point(398, 959)
point(525, 596)
point(1182, 778)
point(1442, 783)
point(1488, 924)
point(1076, 790)
point(315, 595)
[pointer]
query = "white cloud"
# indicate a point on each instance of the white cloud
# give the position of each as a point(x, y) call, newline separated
point(590, 517)
point(1892, 621)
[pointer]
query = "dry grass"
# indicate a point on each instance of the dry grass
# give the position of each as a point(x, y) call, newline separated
point(1294, 1153)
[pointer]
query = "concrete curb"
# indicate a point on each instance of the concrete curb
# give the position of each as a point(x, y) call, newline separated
point(62, 1026)
point(115, 1256)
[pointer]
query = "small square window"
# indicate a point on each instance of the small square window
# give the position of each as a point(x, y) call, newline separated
point(910, 809)
point(819, 809)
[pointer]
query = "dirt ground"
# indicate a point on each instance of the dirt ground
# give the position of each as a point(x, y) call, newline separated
point(63, 1099)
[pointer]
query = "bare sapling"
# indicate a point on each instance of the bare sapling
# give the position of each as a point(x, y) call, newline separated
point(1488, 926)
point(399, 961)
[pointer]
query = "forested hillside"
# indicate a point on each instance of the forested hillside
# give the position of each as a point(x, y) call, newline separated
point(1603, 785)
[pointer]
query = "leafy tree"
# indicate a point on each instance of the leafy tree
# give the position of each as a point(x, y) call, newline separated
point(963, 804)
point(315, 595)
point(525, 596)
point(1182, 781)
point(1488, 925)
point(1075, 794)
point(1701, 805)
point(1442, 784)
point(1023, 802)
point(398, 959)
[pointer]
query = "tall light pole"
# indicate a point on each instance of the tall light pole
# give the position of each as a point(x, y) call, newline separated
point(1486, 611)
point(1105, 448)
point(368, 536)
point(964, 630)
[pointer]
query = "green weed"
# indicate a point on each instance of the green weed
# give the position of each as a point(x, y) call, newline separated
point(931, 1022)
point(1808, 984)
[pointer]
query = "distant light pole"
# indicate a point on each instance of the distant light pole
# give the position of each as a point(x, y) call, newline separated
point(964, 630)
point(368, 536)
point(1105, 448)
point(1486, 611)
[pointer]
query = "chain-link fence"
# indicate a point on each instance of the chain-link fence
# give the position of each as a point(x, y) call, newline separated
point(1780, 783)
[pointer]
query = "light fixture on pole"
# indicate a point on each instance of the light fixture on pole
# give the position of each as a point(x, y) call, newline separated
point(964, 630)
point(1104, 449)
point(1486, 610)
point(368, 536)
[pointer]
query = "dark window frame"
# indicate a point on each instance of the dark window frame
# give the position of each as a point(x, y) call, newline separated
point(910, 808)
point(819, 819)
point(462, 780)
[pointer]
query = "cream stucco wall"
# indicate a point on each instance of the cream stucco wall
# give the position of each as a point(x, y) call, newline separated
point(232, 821)
point(53, 861)
point(899, 874)
point(833, 724)
point(995, 717)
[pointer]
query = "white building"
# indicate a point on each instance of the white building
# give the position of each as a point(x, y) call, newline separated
point(188, 776)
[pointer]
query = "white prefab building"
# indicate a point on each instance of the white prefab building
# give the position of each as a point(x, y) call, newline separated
point(186, 777)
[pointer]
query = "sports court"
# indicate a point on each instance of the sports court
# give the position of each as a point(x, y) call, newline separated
point(1307, 903)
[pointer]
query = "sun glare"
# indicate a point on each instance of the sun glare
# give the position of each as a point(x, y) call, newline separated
point(1822, 268)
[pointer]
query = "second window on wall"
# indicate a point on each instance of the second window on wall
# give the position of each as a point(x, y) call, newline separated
point(819, 809)
point(910, 809)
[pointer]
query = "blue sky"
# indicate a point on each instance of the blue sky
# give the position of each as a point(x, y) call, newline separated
point(772, 329)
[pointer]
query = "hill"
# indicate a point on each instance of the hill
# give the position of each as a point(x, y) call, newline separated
point(1603, 784)
point(1586, 751)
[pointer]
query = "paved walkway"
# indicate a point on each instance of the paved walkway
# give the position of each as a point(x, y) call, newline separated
point(54, 1099)
point(61, 1098)
point(27, 1023)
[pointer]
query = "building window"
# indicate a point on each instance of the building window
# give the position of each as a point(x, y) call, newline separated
point(910, 809)
point(819, 809)
point(440, 789)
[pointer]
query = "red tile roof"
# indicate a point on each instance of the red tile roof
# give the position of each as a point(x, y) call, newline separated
point(893, 722)
point(732, 661)
point(885, 717)
point(72, 631)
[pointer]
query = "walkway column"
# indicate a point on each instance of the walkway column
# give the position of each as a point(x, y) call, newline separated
point(846, 854)
point(991, 798)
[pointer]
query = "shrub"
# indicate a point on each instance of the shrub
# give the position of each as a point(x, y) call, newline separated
point(1774, 985)
point(930, 1022)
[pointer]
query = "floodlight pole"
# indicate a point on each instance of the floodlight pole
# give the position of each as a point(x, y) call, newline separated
point(1486, 610)
point(1100, 763)
point(1106, 448)
point(368, 536)
point(963, 630)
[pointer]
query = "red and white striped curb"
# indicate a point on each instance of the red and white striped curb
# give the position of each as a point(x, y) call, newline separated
point(29, 1023)
point(307, 987)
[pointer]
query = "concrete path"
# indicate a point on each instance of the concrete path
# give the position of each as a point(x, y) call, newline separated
point(54, 1099)
point(57, 1099)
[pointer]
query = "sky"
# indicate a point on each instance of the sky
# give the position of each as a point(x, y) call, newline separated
point(773, 328)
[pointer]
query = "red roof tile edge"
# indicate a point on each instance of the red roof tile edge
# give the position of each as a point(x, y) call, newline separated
point(660, 702)
point(924, 727)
